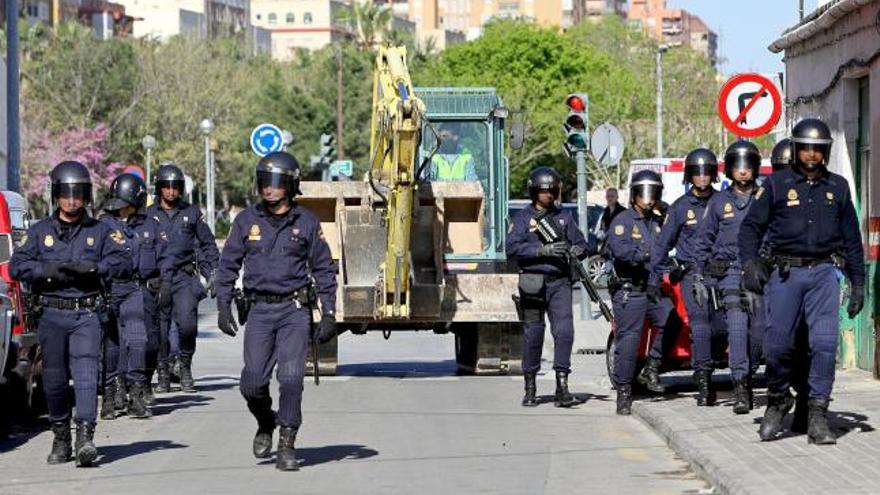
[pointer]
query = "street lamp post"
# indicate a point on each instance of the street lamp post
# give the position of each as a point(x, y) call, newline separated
point(660, 51)
point(149, 142)
point(207, 127)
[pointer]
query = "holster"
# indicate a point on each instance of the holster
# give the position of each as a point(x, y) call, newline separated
point(717, 268)
point(103, 310)
point(532, 288)
point(242, 305)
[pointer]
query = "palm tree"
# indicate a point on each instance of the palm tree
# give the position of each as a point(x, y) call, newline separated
point(367, 23)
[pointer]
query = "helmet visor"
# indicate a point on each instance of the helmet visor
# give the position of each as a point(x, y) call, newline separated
point(647, 191)
point(73, 191)
point(274, 180)
point(170, 184)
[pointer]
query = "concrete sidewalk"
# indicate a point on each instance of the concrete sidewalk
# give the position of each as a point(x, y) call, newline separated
point(724, 449)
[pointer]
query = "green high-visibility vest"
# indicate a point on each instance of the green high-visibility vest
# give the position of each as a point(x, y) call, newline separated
point(454, 171)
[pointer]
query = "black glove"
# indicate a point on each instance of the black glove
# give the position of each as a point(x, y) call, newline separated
point(53, 271)
point(212, 291)
point(856, 301)
point(80, 267)
point(326, 329)
point(676, 274)
point(163, 298)
point(225, 321)
point(578, 252)
point(554, 249)
point(654, 293)
point(755, 275)
point(701, 292)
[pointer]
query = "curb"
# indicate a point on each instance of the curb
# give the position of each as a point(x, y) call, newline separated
point(684, 444)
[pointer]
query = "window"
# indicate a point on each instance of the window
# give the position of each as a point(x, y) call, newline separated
point(290, 19)
point(307, 18)
point(273, 19)
point(259, 16)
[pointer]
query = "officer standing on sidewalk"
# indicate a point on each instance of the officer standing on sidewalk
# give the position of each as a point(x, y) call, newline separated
point(632, 237)
point(718, 258)
point(679, 231)
point(545, 282)
point(67, 259)
point(184, 240)
point(812, 229)
point(286, 260)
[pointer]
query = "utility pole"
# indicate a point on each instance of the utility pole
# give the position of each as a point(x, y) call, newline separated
point(340, 146)
point(13, 152)
point(801, 10)
point(56, 14)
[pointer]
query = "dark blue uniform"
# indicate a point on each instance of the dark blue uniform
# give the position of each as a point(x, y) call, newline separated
point(679, 231)
point(631, 240)
point(717, 254)
point(68, 328)
point(187, 247)
point(280, 255)
point(805, 223)
point(555, 297)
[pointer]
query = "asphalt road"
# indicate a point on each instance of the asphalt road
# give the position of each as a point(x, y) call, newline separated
point(397, 420)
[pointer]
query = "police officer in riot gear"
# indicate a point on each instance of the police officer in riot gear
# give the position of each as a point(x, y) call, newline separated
point(66, 259)
point(631, 239)
point(545, 281)
point(680, 231)
point(780, 157)
point(285, 260)
point(811, 226)
point(186, 244)
point(719, 264)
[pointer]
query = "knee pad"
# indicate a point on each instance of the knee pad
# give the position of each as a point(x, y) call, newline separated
point(290, 374)
point(252, 386)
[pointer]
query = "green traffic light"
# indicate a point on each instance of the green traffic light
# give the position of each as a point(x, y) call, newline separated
point(577, 140)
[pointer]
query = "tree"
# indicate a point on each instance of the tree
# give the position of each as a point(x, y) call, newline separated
point(367, 22)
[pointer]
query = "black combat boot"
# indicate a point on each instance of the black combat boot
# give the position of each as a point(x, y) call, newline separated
point(650, 376)
point(121, 400)
point(530, 399)
point(740, 397)
point(817, 430)
point(705, 391)
point(163, 379)
point(750, 390)
point(286, 456)
point(108, 400)
point(137, 405)
point(801, 413)
point(263, 439)
point(563, 396)
point(778, 406)
point(149, 396)
point(61, 449)
point(85, 446)
point(624, 400)
point(187, 384)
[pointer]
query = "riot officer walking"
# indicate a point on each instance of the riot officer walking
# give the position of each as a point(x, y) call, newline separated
point(780, 157)
point(186, 244)
point(631, 239)
point(66, 259)
point(679, 231)
point(719, 262)
point(286, 261)
point(811, 226)
point(545, 281)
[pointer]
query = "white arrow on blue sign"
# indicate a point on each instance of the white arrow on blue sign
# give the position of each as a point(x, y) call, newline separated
point(266, 138)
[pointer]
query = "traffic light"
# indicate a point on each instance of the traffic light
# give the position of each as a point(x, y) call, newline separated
point(576, 139)
point(328, 151)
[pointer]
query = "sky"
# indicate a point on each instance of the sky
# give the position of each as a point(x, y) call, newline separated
point(745, 28)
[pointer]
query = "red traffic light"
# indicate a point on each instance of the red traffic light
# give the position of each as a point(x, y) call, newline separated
point(576, 103)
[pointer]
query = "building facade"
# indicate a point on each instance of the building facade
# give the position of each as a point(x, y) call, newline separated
point(832, 71)
point(163, 19)
point(674, 26)
point(293, 24)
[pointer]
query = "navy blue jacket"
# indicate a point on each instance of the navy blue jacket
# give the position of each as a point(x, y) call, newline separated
point(141, 234)
point(803, 218)
point(631, 239)
point(182, 236)
point(90, 240)
point(523, 242)
point(679, 231)
point(719, 230)
point(277, 259)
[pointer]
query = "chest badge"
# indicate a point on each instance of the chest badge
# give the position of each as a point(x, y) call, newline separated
point(792, 198)
point(728, 210)
point(90, 241)
point(254, 233)
point(118, 237)
point(618, 230)
point(691, 217)
point(186, 219)
point(636, 234)
point(49, 241)
point(829, 196)
point(163, 236)
point(295, 231)
point(533, 225)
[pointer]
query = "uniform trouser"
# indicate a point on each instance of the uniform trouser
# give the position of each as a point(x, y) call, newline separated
point(811, 295)
point(276, 334)
point(701, 328)
point(183, 311)
point(630, 312)
point(557, 304)
point(71, 344)
point(151, 322)
point(744, 328)
point(130, 336)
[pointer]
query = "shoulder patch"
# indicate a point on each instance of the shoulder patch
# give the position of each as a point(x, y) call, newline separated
point(49, 241)
point(759, 193)
point(118, 237)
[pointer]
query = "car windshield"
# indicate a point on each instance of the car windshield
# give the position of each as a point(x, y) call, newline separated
point(462, 153)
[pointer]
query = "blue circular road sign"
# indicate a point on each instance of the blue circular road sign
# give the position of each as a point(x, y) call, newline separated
point(266, 138)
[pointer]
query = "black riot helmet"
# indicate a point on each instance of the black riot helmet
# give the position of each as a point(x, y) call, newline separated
point(742, 153)
point(700, 162)
point(646, 184)
point(71, 179)
point(279, 169)
point(126, 190)
point(544, 179)
point(170, 175)
point(810, 133)
point(780, 157)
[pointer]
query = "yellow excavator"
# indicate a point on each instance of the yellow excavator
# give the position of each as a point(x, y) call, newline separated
point(422, 250)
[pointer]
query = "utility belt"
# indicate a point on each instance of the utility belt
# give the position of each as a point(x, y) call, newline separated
point(616, 283)
point(71, 303)
point(717, 268)
point(304, 296)
point(781, 261)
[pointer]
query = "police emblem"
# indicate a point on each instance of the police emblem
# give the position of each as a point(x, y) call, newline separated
point(254, 234)
point(691, 215)
point(118, 237)
point(618, 230)
point(829, 196)
point(186, 218)
point(636, 234)
point(295, 231)
point(163, 236)
point(90, 241)
point(728, 210)
point(792, 198)
point(49, 241)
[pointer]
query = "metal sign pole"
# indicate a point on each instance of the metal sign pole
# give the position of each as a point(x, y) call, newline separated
point(580, 159)
point(13, 151)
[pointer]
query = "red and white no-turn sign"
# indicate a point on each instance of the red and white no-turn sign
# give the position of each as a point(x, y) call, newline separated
point(749, 105)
